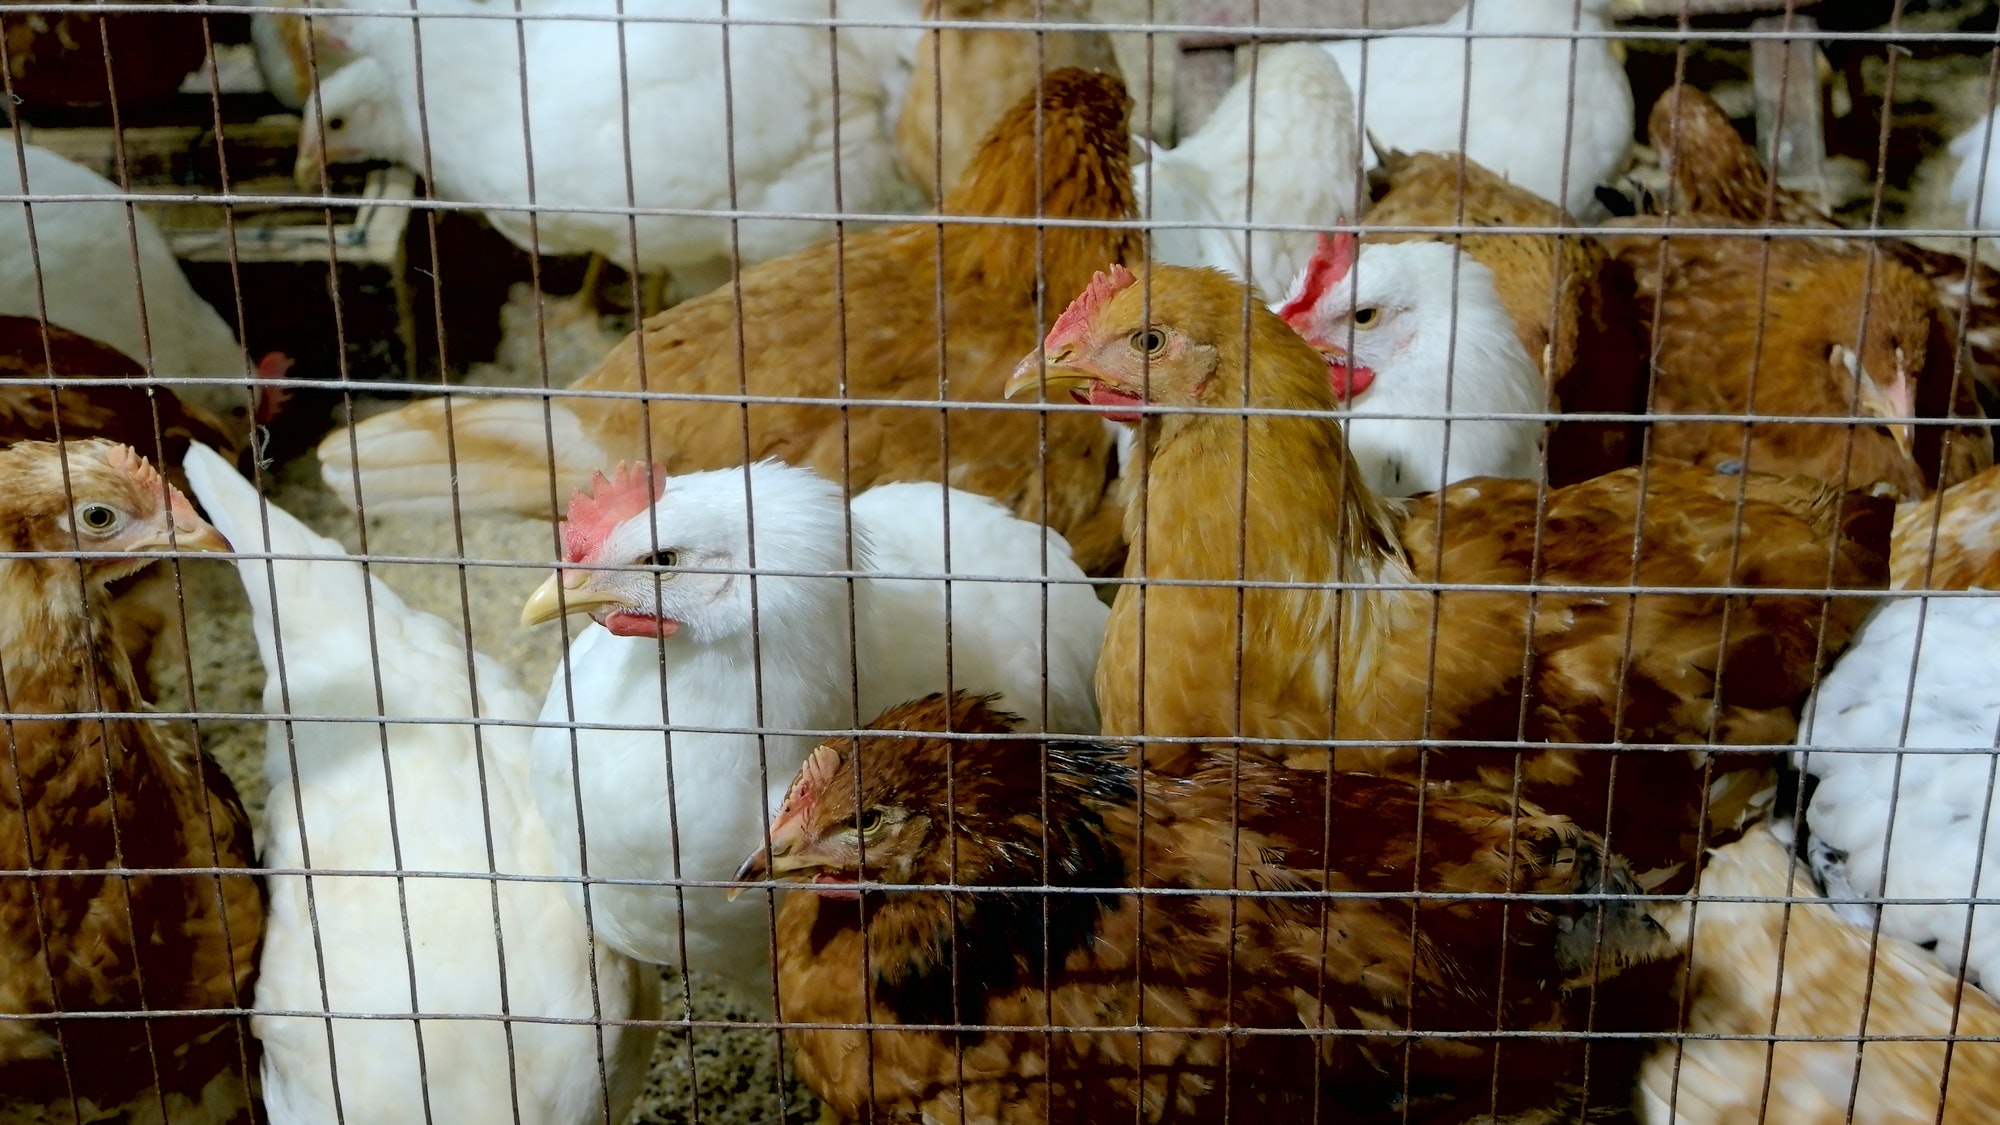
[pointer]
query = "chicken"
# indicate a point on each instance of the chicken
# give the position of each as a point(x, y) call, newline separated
point(915, 810)
point(66, 60)
point(753, 130)
point(350, 118)
point(441, 795)
point(87, 793)
point(1770, 327)
point(55, 399)
point(1974, 185)
point(1949, 541)
point(1783, 307)
point(1574, 307)
point(81, 267)
point(1396, 346)
point(703, 654)
point(1839, 986)
point(1386, 659)
point(1296, 110)
point(800, 338)
point(985, 70)
point(1917, 825)
point(1531, 103)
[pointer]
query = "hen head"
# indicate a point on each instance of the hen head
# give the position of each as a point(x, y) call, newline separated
point(353, 117)
point(647, 555)
point(930, 808)
point(1390, 317)
point(114, 505)
point(1178, 341)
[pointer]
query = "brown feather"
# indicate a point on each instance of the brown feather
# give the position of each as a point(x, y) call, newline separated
point(1371, 963)
point(1837, 985)
point(1406, 664)
point(876, 295)
point(83, 794)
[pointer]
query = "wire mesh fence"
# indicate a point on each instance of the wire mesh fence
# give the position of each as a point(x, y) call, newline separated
point(998, 560)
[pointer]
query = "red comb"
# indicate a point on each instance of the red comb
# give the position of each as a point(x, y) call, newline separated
point(1329, 265)
point(809, 786)
point(1102, 287)
point(596, 511)
point(126, 459)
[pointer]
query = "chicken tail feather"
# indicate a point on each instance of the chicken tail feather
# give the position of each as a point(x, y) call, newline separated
point(499, 450)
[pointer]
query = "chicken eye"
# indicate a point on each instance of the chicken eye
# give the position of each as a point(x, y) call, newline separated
point(1363, 318)
point(871, 821)
point(335, 124)
point(97, 517)
point(663, 558)
point(1151, 341)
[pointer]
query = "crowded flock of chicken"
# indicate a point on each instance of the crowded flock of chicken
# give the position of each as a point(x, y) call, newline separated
point(1350, 663)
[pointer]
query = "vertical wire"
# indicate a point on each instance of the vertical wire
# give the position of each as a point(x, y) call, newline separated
point(149, 362)
point(244, 1051)
point(1247, 312)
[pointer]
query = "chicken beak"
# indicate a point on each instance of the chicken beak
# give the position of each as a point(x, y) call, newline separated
point(782, 862)
point(305, 170)
point(565, 592)
point(190, 534)
point(1057, 374)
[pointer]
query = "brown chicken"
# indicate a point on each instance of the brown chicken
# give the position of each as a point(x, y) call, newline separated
point(801, 340)
point(1572, 303)
point(1829, 327)
point(155, 421)
point(1389, 660)
point(1003, 816)
point(1838, 986)
point(985, 71)
point(1949, 541)
point(83, 794)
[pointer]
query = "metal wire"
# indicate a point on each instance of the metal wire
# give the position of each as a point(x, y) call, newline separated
point(773, 739)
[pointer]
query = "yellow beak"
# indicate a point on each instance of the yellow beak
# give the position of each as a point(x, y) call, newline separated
point(564, 593)
point(201, 537)
point(1059, 376)
point(787, 839)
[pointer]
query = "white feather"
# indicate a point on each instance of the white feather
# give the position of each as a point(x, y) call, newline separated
point(1305, 173)
point(1941, 801)
point(461, 795)
point(1974, 150)
point(723, 784)
point(1423, 364)
point(1518, 99)
point(683, 147)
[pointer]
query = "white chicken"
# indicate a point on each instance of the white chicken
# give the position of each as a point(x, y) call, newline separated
point(93, 287)
point(1305, 174)
point(657, 788)
point(353, 117)
point(1976, 183)
point(1409, 367)
point(1942, 802)
point(772, 124)
point(351, 649)
point(1520, 107)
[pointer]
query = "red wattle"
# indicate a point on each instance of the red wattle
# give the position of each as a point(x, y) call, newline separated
point(1114, 401)
point(1348, 382)
point(639, 625)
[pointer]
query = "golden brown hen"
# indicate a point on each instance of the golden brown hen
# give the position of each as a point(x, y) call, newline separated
point(1848, 1000)
point(1572, 303)
point(1385, 658)
point(830, 328)
point(919, 810)
point(83, 794)
point(985, 70)
point(1828, 327)
point(1949, 541)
